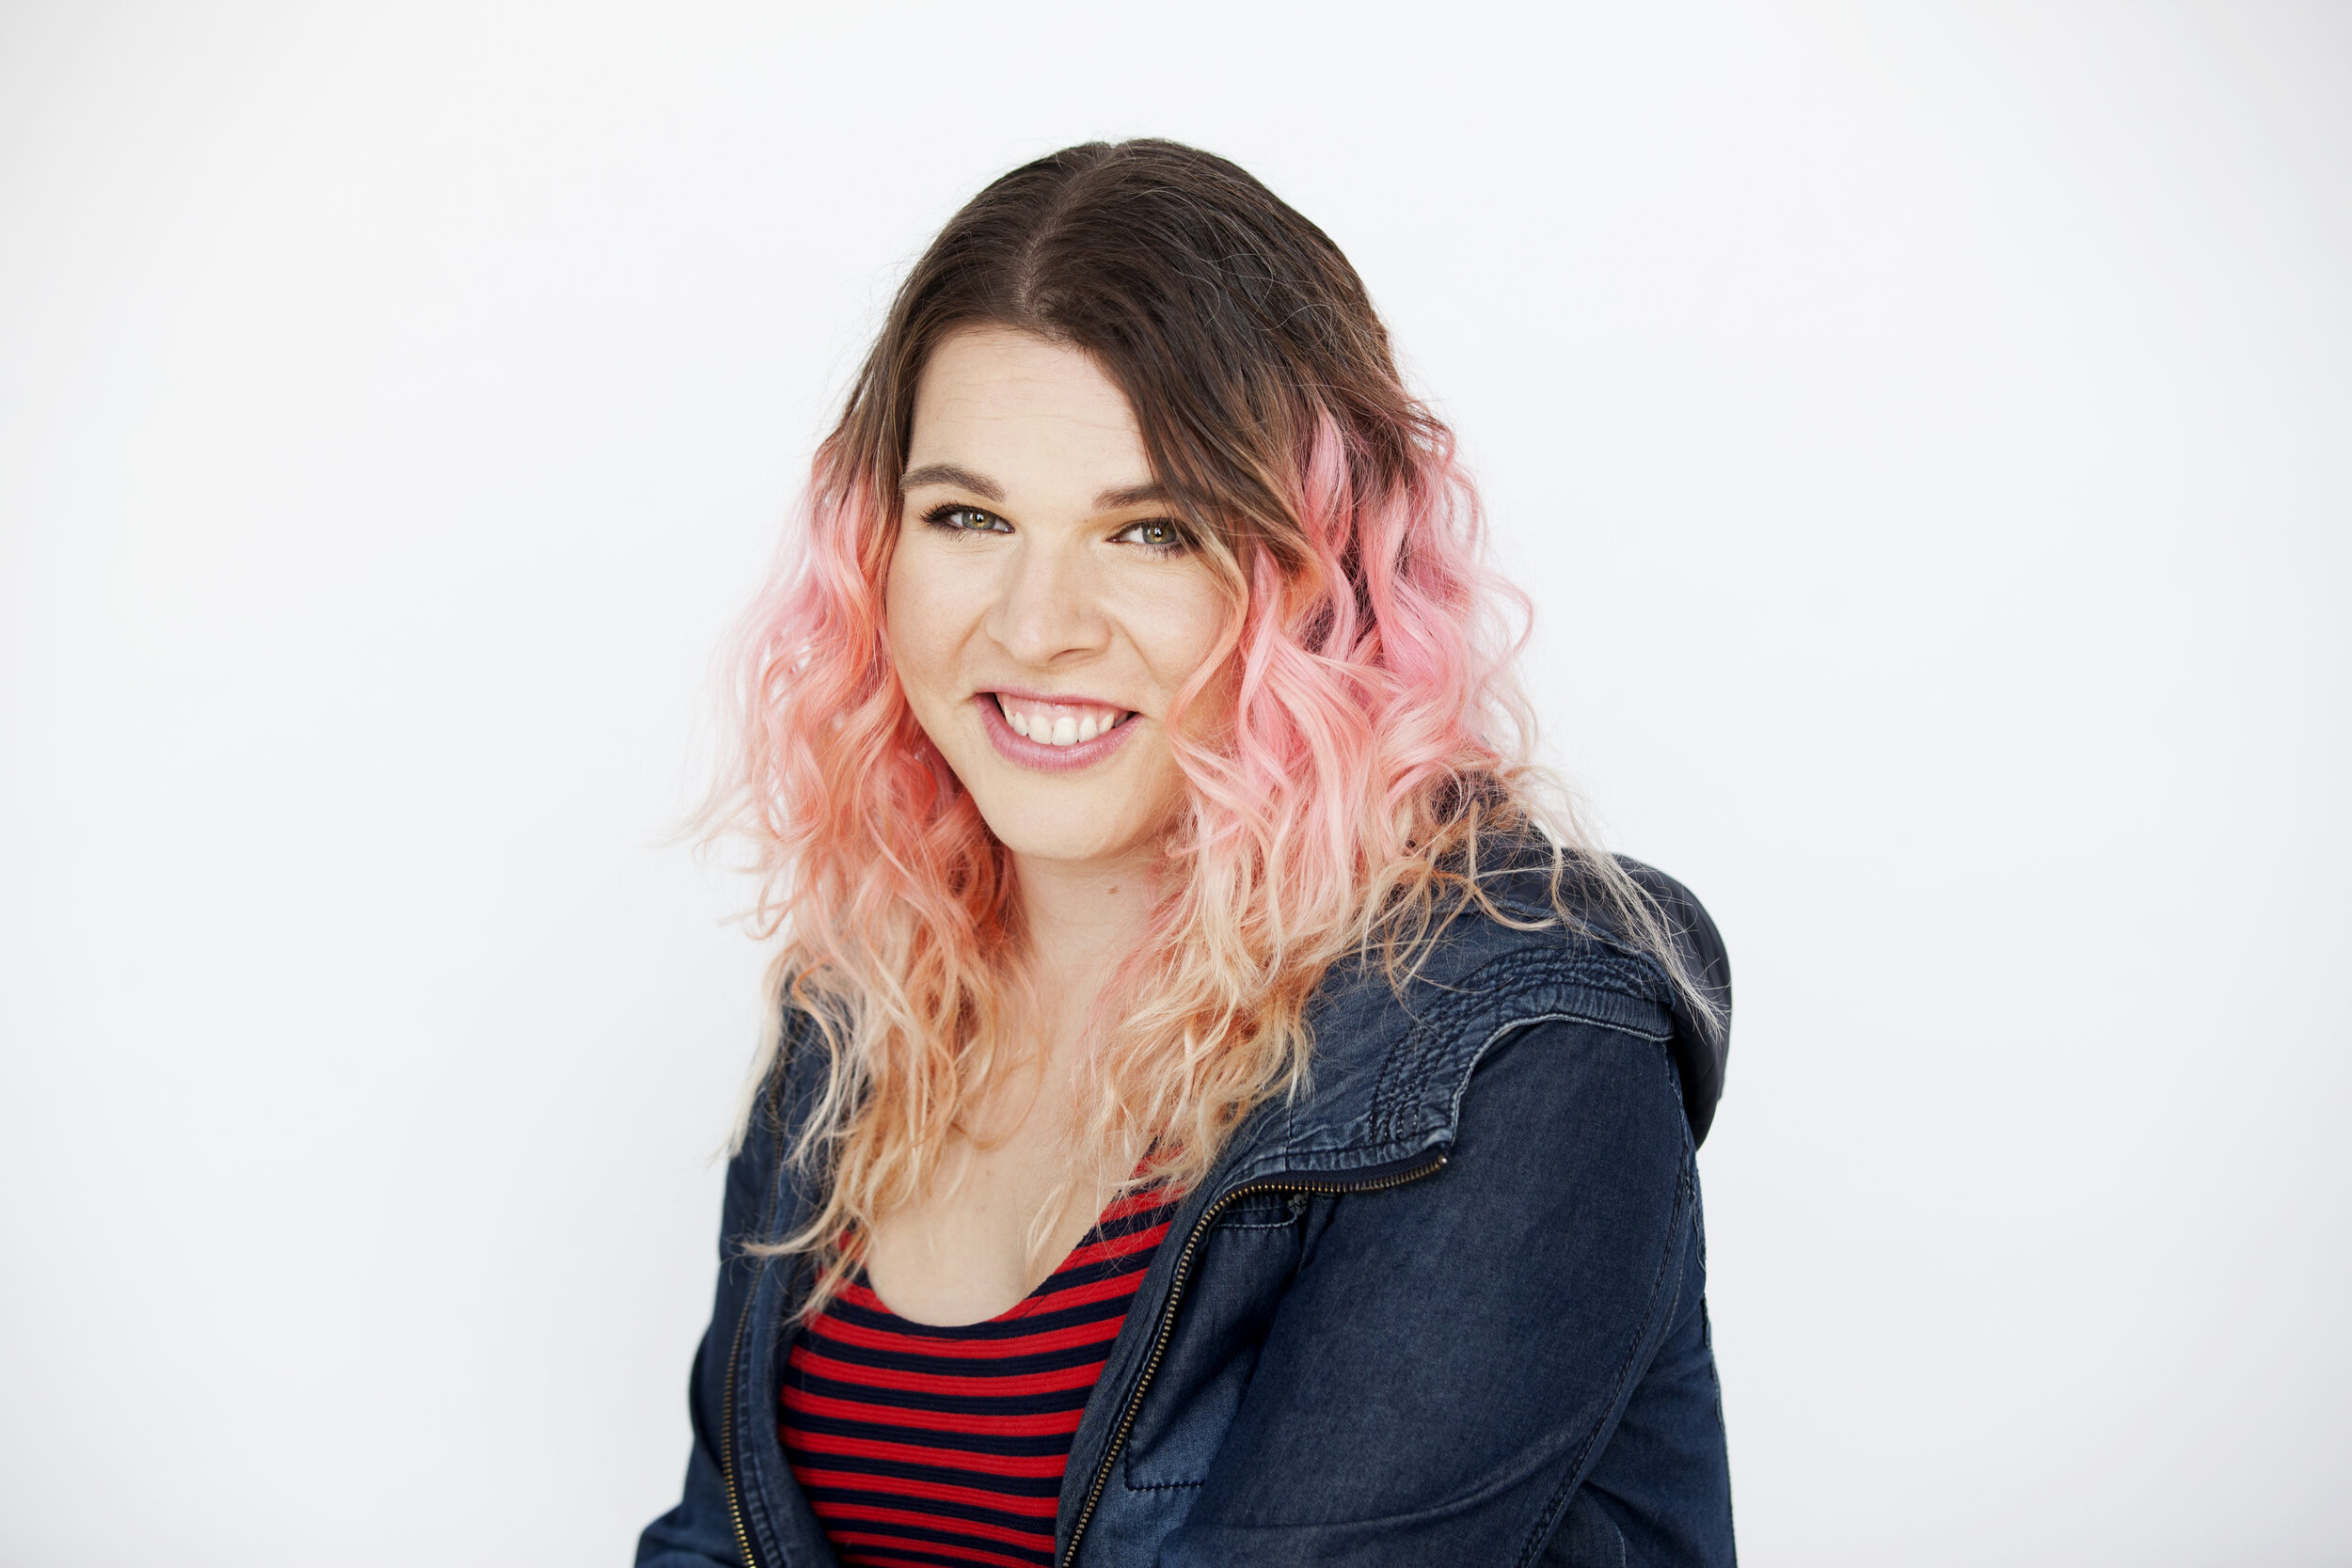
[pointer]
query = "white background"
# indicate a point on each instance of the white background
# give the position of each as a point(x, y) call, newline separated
point(1924, 430)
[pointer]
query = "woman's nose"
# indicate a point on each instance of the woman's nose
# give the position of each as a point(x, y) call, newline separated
point(1047, 607)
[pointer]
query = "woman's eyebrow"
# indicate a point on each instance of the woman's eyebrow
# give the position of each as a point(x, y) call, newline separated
point(1134, 495)
point(947, 473)
point(988, 489)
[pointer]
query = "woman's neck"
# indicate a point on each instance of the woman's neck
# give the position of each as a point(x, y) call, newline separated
point(1084, 918)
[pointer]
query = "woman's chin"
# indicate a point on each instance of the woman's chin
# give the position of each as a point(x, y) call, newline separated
point(1034, 830)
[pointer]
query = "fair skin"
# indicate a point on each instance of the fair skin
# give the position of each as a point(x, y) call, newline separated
point(1042, 610)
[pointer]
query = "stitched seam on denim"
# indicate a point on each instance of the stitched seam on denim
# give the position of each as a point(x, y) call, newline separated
point(1686, 1202)
point(1523, 973)
point(1520, 972)
point(749, 1482)
point(1511, 1026)
point(1549, 1520)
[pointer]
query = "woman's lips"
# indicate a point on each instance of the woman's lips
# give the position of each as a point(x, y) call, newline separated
point(1038, 715)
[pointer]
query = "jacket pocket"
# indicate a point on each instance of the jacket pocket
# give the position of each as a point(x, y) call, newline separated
point(1190, 1403)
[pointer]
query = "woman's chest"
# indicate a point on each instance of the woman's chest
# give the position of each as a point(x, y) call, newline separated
point(982, 1238)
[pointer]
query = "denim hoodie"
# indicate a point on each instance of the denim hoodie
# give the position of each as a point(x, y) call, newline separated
point(1446, 1306)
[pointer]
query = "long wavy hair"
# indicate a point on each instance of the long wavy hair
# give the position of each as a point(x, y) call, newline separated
point(1376, 736)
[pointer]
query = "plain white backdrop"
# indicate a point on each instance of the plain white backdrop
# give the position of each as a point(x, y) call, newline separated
point(1923, 429)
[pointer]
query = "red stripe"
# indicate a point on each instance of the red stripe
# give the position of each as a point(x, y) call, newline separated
point(858, 1293)
point(969, 1551)
point(1030, 1465)
point(1142, 1242)
point(1114, 1289)
point(842, 1331)
point(1139, 1203)
point(929, 1420)
point(922, 1520)
point(1057, 1381)
point(1142, 1239)
point(937, 1490)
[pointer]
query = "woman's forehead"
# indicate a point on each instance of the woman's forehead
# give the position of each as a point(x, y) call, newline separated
point(1025, 413)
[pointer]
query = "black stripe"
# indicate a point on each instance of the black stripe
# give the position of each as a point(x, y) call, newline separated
point(917, 1553)
point(1097, 1272)
point(995, 1328)
point(941, 1507)
point(1083, 1354)
point(946, 1538)
point(1111, 1230)
point(1002, 1445)
point(942, 1475)
point(982, 1405)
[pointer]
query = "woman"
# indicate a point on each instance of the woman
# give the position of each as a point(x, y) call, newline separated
point(1212, 1121)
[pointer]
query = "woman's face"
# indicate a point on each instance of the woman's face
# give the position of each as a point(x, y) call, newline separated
point(1041, 608)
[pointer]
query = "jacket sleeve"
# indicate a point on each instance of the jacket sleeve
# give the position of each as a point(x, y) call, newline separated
point(1456, 1355)
point(700, 1532)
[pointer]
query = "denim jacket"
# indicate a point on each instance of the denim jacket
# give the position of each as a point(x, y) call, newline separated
point(1446, 1306)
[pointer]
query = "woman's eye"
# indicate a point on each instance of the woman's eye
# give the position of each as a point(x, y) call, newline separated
point(966, 519)
point(1159, 533)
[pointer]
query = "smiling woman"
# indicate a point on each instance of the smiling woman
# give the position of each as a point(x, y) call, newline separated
point(1040, 599)
point(1215, 1114)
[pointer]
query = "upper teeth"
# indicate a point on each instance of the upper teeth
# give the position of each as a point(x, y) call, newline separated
point(1059, 723)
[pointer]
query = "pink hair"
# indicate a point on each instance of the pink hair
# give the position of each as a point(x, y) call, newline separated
point(1374, 732)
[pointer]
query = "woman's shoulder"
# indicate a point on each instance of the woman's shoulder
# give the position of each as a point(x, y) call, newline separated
point(1629, 907)
point(1624, 947)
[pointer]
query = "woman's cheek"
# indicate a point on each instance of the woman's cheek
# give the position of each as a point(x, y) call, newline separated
point(916, 622)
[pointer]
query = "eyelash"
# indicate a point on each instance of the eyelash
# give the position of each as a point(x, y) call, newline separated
point(1176, 543)
point(938, 517)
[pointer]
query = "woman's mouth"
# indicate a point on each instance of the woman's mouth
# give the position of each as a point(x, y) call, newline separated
point(1055, 737)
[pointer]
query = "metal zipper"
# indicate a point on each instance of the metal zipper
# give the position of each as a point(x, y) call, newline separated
point(726, 1435)
point(735, 1353)
point(1175, 1295)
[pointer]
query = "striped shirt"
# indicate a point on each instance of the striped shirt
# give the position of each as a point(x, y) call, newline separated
point(923, 1446)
